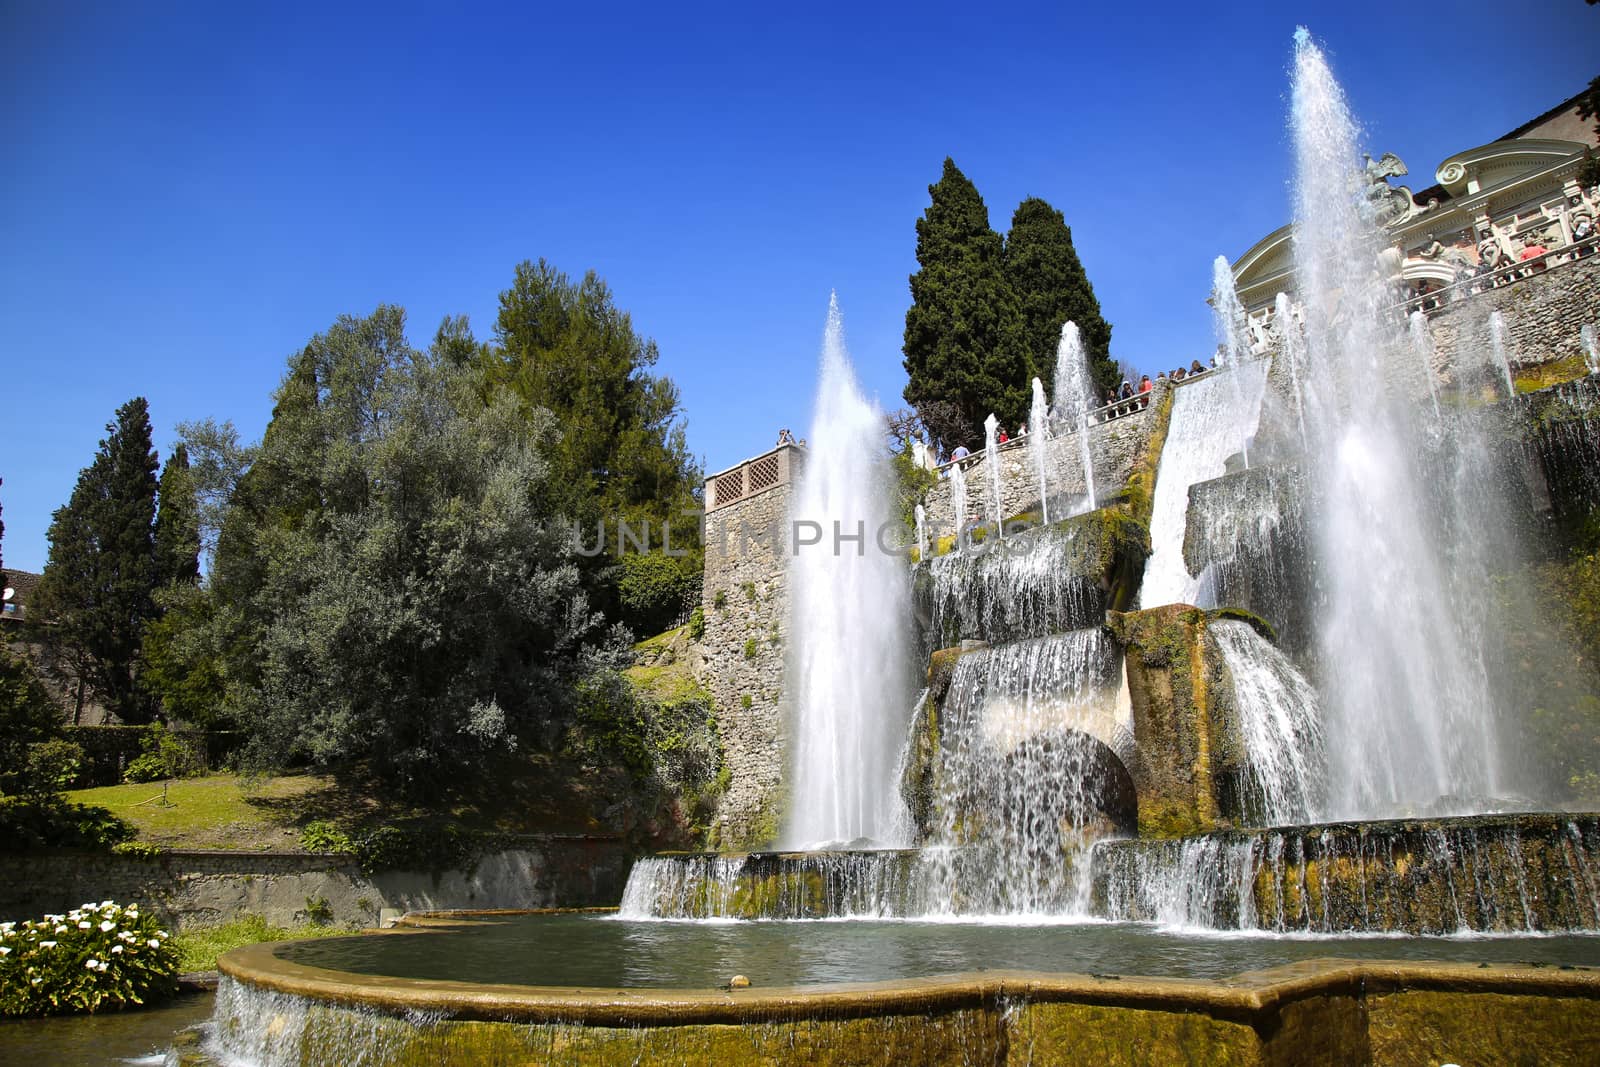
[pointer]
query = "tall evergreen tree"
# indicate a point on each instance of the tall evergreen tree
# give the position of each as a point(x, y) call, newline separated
point(1044, 272)
point(177, 530)
point(566, 347)
point(101, 570)
point(966, 347)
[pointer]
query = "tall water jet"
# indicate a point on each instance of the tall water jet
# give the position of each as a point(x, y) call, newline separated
point(1293, 349)
point(1038, 425)
point(1591, 347)
point(1230, 320)
point(958, 502)
point(991, 464)
point(1407, 702)
point(1073, 396)
point(921, 514)
point(850, 602)
point(1422, 347)
point(1497, 350)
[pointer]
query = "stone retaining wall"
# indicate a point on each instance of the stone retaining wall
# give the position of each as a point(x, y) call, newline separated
point(208, 888)
point(1115, 447)
point(1542, 315)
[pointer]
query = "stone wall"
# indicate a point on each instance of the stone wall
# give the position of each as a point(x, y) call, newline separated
point(745, 599)
point(1115, 447)
point(207, 888)
point(1542, 315)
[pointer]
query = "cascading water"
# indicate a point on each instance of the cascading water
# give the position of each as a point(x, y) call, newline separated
point(1497, 350)
point(1279, 725)
point(1422, 347)
point(1591, 348)
point(1073, 399)
point(991, 464)
point(1211, 416)
point(850, 602)
point(1027, 773)
point(1407, 700)
point(1038, 438)
point(921, 514)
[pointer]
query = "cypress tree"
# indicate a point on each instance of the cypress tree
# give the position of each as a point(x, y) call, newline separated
point(1052, 288)
point(177, 530)
point(100, 573)
point(966, 349)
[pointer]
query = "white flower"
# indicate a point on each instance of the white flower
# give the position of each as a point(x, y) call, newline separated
point(6, 928)
point(61, 929)
point(161, 934)
point(4, 951)
point(36, 981)
point(48, 944)
point(116, 950)
point(91, 964)
point(108, 903)
point(85, 925)
point(153, 943)
point(107, 926)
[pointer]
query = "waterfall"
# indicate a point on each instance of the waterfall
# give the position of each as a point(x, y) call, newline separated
point(1073, 399)
point(991, 463)
point(1294, 354)
point(1027, 775)
point(1279, 724)
point(1038, 424)
point(1038, 582)
point(1245, 537)
point(1497, 350)
point(850, 602)
point(1422, 347)
point(1208, 422)
point(1591, 347)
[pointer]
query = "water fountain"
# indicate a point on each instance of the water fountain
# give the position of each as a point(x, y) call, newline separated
point(991, 464)
point(1074, 398)
point(1591, 347)
point(1497, 350)
point(1085, 788)
point(850, 600)
point(1039, 443)
point(1422, 346)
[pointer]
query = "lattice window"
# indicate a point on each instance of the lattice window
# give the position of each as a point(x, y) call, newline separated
point(764, 473)
point(728, 488)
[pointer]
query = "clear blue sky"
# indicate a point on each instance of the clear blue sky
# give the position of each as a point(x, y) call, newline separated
point(190, 192)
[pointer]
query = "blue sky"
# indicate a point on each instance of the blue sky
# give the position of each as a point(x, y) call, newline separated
point(189, 193)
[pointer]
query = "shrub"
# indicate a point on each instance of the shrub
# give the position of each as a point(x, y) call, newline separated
point(750, 648)
point(98, 956)
point(653, 587)
point(165, 755)
point(697, 623)
point(52, 766)
point(34, 822)
point(323, 836)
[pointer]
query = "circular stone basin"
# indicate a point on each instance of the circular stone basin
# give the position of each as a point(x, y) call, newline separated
point(589, 950)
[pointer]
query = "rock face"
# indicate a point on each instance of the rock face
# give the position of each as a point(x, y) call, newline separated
point(1175, 762)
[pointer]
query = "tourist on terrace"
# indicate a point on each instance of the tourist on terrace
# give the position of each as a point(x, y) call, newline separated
point(959, 454)
point(1001, 437)
point(1582, 230)
point(1022, 429)
point(1144, 390)
point(785, 437)
point(1196, 368)
point(1179, 375)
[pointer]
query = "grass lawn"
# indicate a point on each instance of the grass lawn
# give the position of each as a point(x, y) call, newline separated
point(198, 949)
point(218, 811)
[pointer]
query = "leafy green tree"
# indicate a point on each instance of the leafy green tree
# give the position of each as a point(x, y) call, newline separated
point(177, 529)
point(1044, 272)
point(96, 590)
point(621, 457)
point(966, 341)
point(27, 717)
point(409, 596)
point(217, 464)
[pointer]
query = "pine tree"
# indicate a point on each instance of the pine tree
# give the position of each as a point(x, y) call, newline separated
point(98, 579)
point(966, 348)
point(1052, 288)
point(177, 529)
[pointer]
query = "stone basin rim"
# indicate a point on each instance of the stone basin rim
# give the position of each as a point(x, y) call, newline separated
point(1249, 996)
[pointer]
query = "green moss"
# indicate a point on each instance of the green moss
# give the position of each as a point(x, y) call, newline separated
point(1532, 378)
point(670, 683)
point(750, 648)
point(745, 701)
point(1257, 623)
point(720, 600)
point(749, 590)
